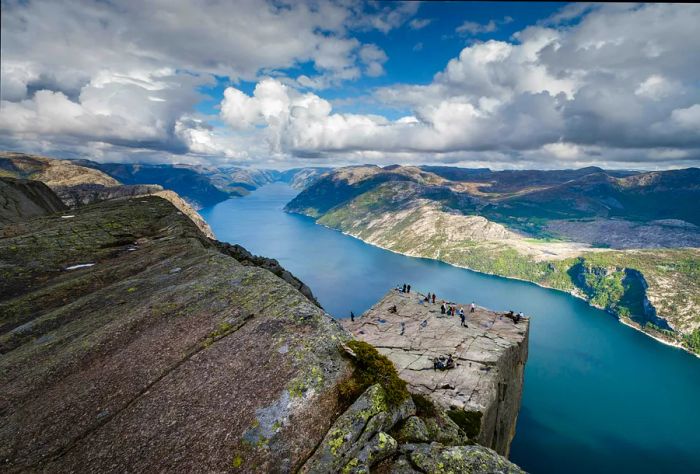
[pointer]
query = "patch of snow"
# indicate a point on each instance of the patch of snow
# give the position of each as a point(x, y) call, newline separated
point(81, 265)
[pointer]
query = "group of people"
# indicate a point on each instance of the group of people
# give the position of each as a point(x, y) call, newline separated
point(515, 317)
point(428, 298)
point(450, 310)
point(405, 289)
point(443, 363)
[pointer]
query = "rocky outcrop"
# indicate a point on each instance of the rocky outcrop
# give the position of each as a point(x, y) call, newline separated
point(482, 393)
point(373, 436)
point(270, 264)
point(53, 173)
point(131, 342)
point(78, 185)
point(22, 199)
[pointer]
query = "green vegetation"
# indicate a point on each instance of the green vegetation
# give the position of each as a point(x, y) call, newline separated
point(372, 368)
point(469, 421)
point(692, 341)
point(424, 406)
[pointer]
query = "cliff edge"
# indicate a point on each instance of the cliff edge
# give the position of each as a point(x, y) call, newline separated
point(482, 393)
point(130, 342)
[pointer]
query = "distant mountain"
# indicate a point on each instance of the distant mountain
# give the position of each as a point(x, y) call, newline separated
point(301, 178)
point(627, 242)
point(189, 183)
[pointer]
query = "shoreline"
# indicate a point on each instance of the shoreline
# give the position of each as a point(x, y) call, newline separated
point(616, 316)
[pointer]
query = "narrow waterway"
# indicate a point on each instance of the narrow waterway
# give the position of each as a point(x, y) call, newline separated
point(598, 397)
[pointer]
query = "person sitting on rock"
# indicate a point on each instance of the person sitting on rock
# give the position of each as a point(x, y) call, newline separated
point(450, 363)
point(393, 309)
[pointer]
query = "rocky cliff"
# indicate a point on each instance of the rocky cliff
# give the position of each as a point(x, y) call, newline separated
point(482, 393)
point(131, 342)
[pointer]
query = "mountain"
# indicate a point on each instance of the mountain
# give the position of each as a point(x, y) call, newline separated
point(189, 183)
point(627, 242)
point(301, 178)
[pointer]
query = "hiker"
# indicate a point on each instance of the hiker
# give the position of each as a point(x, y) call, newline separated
point(464, 319)
point(473, 307)
point(352, 316)
point(404, 288)
point(408, 288)
point(433, 298)
point(442, 308)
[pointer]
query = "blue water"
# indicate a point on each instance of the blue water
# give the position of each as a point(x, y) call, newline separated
point(598, 396)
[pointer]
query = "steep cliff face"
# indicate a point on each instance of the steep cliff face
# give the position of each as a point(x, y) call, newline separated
point(482, 393)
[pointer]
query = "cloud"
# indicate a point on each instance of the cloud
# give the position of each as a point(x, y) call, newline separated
point(128, 73)
point(473, 28)
point(614, 85)
point(581, 94)
point(419, 23)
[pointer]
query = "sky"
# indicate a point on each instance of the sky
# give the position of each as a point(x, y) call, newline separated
point(282, 84)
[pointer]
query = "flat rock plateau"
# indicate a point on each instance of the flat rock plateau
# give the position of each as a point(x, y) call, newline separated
point(490, 355)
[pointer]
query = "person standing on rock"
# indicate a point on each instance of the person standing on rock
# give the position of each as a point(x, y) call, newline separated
point(408, 287)
point(463, 318)
point(442, 308)
point(473, 307)
point(352, 316)
point(433, 298)
point(404, 288)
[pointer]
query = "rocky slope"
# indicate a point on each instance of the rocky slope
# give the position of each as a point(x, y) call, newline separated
point(78, 185)
point(132, 342)
point(483, 391)
point(22, 199)
point(495, 227)
point(125, 329)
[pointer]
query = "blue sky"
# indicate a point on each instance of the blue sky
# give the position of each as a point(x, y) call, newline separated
point(415, 55)
point(322, 82)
